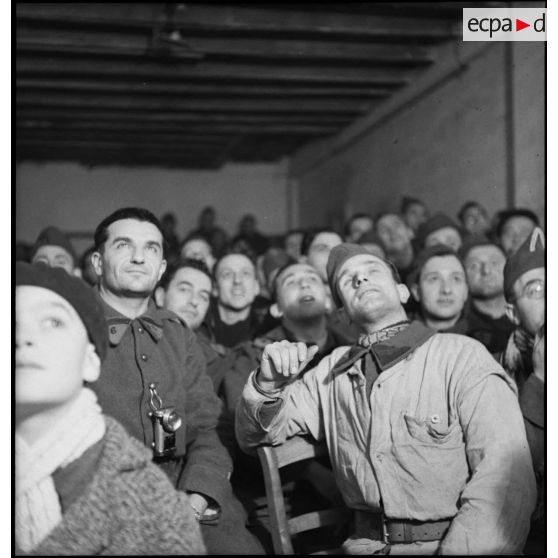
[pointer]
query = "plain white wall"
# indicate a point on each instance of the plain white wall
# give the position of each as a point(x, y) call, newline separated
point(75, 198)
point(446, 147)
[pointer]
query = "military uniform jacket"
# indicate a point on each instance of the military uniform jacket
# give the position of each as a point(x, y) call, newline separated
point(157, 347)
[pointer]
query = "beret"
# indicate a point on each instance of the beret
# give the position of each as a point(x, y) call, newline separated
point(436, 222)
point(338, 256)
point(530, 255)
point(503, 216)
point(426, 254)
point(52, 236)
point(79, 294)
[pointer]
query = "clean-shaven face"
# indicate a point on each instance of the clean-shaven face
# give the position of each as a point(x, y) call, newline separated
point(393, 232)
point(236, 282)
point(368, 290)
point(53, 351)
point(318, 251)
point(301, 293)
point(131, 262)
point(188, 295)
point(442, 288)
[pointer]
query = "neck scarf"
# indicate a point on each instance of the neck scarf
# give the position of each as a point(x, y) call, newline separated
point(368, 339)
point(37, 504)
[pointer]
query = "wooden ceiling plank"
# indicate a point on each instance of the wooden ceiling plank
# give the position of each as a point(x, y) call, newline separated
point(199, 130)
point(31, 66)
point(73, 113)
point(85, 101)
point(114, 144)
point(290, 50)
point(243, 20)
point(197, 89)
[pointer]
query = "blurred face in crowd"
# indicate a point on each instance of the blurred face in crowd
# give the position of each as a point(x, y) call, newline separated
point(236, 282)
point(368, 290)
point(130, 263)
point(301, 294)
point(447, 236)
point(358, 226)
point(484, 266)
point(53, 353)
point(292, 244)
point(514, 232)
point(442, 288)
point(415, 215)
point(394, 233)
point(528, 307)
point(207, 218)
point(475, 220)
point(188, 295)
point(318, 252)
point(54, 256)
point(198, 249)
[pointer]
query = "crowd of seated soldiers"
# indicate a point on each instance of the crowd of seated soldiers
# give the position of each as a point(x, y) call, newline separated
point(239, 293)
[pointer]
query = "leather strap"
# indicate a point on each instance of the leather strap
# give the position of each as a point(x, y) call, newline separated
point(376, 526)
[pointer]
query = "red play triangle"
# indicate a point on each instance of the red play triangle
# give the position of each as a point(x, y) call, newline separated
point(519, 25)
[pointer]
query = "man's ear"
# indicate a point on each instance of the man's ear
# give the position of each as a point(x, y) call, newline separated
point(159, 296)
point(97, 261)
point(91, 364)
point(275, 312)
point(415, 291)
point(404, 293)
point(511, 313)
point(162, 269)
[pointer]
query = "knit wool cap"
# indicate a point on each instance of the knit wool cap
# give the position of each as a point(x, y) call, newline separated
point(530, 255)
point(73, 289)
point(438, 250)
point(436, 222)
point(474, 241)
point(52, 236)
point(338, 256)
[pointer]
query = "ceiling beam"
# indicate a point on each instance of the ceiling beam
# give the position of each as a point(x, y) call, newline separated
point(74, 63)
point(217, 48)
point(197, 89)
point(169, 116)
point(243, 20)
point(174, 128)
point(106, 101)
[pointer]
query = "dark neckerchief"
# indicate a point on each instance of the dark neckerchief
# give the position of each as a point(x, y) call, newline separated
point(389, 351)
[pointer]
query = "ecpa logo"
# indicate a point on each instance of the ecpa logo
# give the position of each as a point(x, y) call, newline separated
point(504, 24)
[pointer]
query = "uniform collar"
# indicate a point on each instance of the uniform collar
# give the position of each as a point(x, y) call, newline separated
point(151, 320)
point(389, 352)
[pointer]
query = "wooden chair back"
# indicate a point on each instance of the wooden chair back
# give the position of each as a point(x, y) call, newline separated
point(284, 528)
